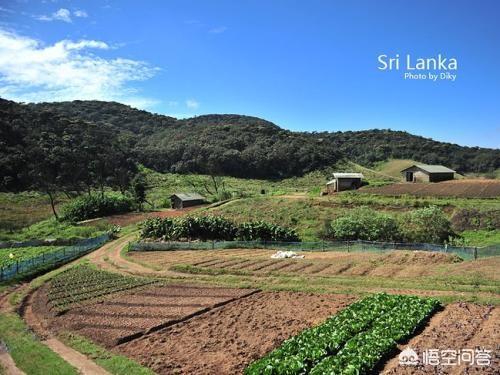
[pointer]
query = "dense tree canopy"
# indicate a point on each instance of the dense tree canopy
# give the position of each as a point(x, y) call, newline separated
point(90, 144)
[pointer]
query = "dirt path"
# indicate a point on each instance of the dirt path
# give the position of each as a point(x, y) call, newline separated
point(74, 358)
point(109, 258)
point(7, 363)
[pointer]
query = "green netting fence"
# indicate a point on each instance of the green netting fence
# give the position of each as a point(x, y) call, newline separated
point(44, 261)
point(345, 246)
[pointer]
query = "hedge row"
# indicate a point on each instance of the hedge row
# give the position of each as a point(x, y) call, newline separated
point(214, 228)
point(96, 205)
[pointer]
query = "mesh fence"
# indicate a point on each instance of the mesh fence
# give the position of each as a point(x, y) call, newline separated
point(43, 261)
point(346, 246)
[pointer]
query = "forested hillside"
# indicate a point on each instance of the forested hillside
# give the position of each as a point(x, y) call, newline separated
point(84, 143)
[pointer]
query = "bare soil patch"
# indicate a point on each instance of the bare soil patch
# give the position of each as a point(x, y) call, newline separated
point(459, 326)
point(129, 315)
point(458, 188)
point(390, 264)
point(225, 340)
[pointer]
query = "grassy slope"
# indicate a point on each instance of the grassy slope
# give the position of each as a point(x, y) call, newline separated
point(50, 228)
point(29, 354)
point(308, 215)
point(482, 237)
point(394, 167)
point(23, 209)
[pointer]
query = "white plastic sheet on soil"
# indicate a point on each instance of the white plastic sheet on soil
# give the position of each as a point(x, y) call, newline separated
point(286, 254)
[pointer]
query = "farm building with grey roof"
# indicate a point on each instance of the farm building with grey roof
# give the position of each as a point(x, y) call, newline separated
point(427, 173)
point(183, 200)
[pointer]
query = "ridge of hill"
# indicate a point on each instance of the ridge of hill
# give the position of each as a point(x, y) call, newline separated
point(228, 144)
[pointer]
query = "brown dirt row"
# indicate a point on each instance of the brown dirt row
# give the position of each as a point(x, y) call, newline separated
point(225, 340)
point(459, 326)
point(458, 188)
point(133, 314)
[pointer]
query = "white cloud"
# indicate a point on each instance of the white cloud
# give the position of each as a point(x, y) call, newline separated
point(218, 30)
point(61, 15)
point(66, 70)
point(192, 104)
point(173, 103)
point(80, 13)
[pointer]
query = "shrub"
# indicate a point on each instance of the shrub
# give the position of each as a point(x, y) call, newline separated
point(428, 224)
point(93, 206)
point(260, 230)
point(158, 228)
point(206, 228)
point(214, 228)
point(365, 224)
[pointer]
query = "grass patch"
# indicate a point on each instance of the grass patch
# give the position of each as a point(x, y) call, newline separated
point(481, 237)
point(114, 363)
point(29, 354)
point(52, 228)
point(19, 210)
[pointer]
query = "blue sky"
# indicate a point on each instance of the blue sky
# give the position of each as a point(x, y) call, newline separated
point(303, 65)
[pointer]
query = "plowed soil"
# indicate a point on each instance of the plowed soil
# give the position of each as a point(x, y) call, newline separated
point(459, 326)
point(225, 340)
point(458, 188)
point(130, 315)
point(404, 264)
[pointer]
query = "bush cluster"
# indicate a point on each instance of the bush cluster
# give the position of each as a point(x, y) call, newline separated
point(214, 228)
point(94, 205)
point(365, 224)
point(427, 224)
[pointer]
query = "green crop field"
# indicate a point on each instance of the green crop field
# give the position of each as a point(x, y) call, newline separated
point(351, 342)
point(20, 254)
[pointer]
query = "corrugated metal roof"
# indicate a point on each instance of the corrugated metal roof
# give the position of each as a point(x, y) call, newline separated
point(188, 196)
point(432, 168)
point(348, 175)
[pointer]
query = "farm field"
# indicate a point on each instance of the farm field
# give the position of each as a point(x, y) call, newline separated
point(392, 264)
point(223, 329)
point(458, 188)
point(225, 340)
point(24, 253)
point(121, 317)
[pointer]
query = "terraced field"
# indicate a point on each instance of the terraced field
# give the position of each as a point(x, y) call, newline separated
point(402, 264)
point(458, 189)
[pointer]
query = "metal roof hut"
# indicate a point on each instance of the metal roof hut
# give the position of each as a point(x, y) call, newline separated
point(427, 173)
point(344, 181)
point(183, 200)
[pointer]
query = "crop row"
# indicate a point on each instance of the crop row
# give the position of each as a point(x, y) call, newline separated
point(352, 341)
point(82, 283)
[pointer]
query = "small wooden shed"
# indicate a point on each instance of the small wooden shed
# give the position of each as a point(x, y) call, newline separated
point(183, 200)
point(344, 181)
point(427, 173)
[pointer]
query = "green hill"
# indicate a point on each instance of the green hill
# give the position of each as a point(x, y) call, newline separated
point(230, 145)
